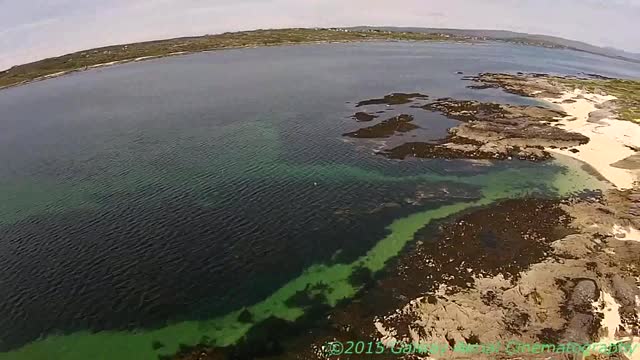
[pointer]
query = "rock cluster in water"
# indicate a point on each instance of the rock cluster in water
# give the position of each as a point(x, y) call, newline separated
point(487, 130)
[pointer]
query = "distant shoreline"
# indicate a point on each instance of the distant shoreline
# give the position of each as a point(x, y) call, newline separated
point(152, 57)
point(124, 53)
point(120, 54)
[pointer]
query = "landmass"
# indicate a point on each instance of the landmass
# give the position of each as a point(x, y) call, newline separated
point(493, 131)
point(577, 117)
point(606, 111)
point(517, 38)
point(534, 270)
point(567, 274)
point(117, 54)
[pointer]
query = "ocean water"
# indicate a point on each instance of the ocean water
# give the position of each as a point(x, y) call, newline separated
point(149, 205)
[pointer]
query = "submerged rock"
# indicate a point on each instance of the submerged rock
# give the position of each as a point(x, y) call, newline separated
point(401, 123)
point(363, 116)
point(393, 99)
point(245, 316)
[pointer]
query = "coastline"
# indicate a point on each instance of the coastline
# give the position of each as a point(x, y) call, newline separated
point(602, 111)
point(584, 289)
point(144, 58)
point(329, 284)
point(179, 53)
point(569, 281)
point(611, 141)
point(125, 53)
point(152, 57)
point(552, 270)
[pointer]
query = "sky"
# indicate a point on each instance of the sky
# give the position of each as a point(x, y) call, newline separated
point(34, 29)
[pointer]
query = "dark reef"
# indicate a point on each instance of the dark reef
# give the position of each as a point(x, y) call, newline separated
point(393, 99)
point(387, 128)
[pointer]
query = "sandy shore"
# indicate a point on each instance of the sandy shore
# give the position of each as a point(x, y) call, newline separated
point(611, 141)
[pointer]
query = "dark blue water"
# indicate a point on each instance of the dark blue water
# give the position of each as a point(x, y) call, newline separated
point(187, 187)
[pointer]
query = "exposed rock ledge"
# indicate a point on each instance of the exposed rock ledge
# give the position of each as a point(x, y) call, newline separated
point(584, 290)
point(493, 131)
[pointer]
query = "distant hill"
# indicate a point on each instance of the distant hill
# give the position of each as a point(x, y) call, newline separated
point(117, 54)
point(515, 37)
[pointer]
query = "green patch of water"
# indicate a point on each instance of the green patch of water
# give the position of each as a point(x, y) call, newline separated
point(257, 156)
point(332, 281)
point(244, 151)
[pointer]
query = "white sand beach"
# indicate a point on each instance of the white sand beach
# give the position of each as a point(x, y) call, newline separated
point(611, 140)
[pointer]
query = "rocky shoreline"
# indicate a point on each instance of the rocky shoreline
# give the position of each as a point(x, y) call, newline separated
point(493, 131)
point(579, 118)
point(603, 110)
point(582, 288)
point(487, 130)
point(525, 271)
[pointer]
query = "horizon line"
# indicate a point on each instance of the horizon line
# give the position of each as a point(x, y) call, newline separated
point(319, 27)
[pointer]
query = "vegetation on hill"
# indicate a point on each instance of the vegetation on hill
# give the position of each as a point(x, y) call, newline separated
point(131, 52)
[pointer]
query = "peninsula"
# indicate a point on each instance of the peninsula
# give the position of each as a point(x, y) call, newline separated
point(111, 55)
point(116, 54)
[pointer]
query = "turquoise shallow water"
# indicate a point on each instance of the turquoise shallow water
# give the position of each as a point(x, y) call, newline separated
point(332, 281)
point(151, 203)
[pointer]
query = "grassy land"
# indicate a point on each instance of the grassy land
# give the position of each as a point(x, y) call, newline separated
point(627, 92)
point(84, 59)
